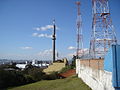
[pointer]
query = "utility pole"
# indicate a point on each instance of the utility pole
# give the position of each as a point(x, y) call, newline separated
point(54, 38)
point(79, 48)
point(103, 34)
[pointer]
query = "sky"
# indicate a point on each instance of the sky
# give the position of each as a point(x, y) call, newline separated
point(26, 27)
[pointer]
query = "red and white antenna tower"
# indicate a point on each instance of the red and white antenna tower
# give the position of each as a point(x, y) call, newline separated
point(79, 51)
point(103, 34)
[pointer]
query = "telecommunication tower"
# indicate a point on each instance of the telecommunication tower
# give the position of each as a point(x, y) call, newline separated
point(54, 38)
point(103, 34)
point(79, 51)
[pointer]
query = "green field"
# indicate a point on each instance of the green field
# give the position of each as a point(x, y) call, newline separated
point(71, 83)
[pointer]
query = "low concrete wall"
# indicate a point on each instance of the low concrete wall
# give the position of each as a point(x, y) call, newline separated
point(92, 73)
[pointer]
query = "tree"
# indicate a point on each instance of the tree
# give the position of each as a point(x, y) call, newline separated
point(74, 61)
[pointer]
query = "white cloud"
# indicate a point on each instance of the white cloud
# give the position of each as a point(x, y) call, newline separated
point(26, 48)
point(35, 34)
point(45, 52)
point(47, 27)
point(85, 51)
point(71, 54)
point(45, 35)
point(42, 35)
point(71, 48)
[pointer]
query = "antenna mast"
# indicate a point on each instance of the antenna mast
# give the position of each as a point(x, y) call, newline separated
point(79, 51)
point(54, 38)
point(103, 34)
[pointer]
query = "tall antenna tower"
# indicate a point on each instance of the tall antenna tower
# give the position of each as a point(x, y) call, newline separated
point(54, 38)
point(79, 50)
point(103, 34)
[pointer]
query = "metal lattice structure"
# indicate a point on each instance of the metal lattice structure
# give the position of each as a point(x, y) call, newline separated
point(103, 34)
point(79, 50)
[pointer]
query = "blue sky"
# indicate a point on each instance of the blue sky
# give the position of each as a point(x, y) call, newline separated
point(20, 18)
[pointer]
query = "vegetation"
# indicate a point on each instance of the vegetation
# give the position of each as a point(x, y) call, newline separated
point(11, 78)
point(68, 67)
point(74, 61)
point(51, 76)
point(71, 83)
point(10, 75)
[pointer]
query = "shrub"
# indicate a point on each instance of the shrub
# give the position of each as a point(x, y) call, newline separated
point(17, 77)
point(51, 76)
point(36, 73)
point(11, 78)
point(29, 79)
point(66, 68)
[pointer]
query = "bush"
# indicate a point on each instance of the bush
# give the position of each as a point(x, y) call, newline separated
point(74, 61)
point(11, 78)
point(15, 77)
point(4, 78)
point(66, 68)
point(51, 76)
point(36, 73)
point(29, 79)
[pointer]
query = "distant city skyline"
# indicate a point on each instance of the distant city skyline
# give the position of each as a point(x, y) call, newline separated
point(26, 27)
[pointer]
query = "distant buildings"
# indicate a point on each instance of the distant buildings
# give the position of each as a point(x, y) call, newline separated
point(34, 63)
point(22, 63)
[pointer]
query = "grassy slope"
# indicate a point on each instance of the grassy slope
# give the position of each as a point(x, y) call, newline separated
point(71, 83)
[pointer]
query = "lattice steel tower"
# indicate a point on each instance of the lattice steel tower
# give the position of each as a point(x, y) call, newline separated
point(103, 34)
point(79, 50)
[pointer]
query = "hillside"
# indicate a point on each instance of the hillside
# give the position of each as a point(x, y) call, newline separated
point(56, 66)
point(71, 83)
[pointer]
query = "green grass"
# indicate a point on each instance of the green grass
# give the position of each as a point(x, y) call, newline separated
point(71, 83)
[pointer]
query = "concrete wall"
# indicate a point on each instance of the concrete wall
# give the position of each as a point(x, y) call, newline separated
point(92, 73)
